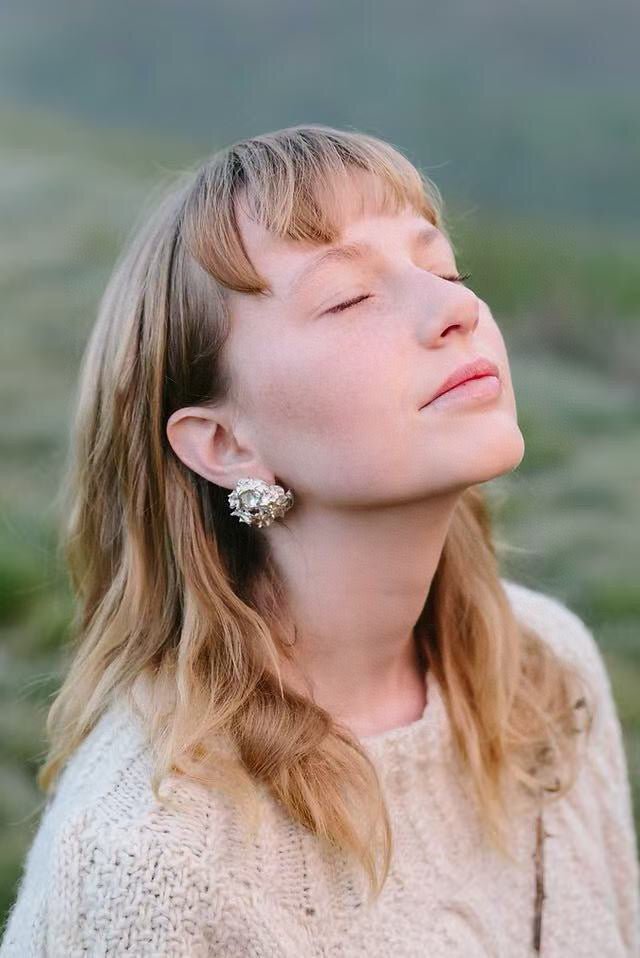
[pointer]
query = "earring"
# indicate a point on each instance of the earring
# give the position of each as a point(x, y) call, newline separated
point(258, 503)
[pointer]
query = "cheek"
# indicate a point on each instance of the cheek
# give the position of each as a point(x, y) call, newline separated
point(327, 392)
point(335, 409)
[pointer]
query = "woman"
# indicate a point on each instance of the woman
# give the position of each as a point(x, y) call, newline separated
point(306, 715)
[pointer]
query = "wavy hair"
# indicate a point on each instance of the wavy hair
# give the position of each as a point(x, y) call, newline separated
point(176, 598)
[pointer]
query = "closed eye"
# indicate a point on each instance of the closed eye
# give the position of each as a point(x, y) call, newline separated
point(359, 299)
point(349, 302)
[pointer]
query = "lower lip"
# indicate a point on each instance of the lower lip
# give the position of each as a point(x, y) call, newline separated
point(471, 391)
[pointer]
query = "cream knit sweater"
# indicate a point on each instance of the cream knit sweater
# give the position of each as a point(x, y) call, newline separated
point(111, 873)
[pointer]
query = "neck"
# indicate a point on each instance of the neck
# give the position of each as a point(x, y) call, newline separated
point(356, 583)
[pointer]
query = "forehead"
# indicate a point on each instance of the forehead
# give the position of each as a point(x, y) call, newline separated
point(359, 210)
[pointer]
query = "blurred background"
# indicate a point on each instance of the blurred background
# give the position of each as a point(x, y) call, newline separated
point(527, 118)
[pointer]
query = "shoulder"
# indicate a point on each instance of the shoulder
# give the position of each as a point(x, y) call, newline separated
point(559, 623)
point(109, 863)
point(105, 793)
point(573, 640)
point(108, 755)
point(125, 888)
point(605, 790)
point(570, 636)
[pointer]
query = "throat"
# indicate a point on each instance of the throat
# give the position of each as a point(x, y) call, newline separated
point(391, 715)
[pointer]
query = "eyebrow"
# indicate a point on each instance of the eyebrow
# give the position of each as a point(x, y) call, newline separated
point(353, 252)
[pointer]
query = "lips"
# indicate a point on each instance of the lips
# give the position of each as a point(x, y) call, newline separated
point(473, 370)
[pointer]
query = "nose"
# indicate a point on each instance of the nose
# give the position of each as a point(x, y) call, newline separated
point(458, 309)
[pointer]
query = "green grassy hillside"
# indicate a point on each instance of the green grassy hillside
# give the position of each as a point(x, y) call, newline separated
point(568, 303)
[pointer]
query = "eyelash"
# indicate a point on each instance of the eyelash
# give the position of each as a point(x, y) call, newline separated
point(359, 299)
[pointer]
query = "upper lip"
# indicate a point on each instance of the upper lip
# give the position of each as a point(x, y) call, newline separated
point(479, 367)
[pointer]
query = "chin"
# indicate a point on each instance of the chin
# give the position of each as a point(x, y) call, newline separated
point(508, 455)
point(498, 458)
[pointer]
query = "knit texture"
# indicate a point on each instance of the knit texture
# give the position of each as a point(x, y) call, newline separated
point(110, 872)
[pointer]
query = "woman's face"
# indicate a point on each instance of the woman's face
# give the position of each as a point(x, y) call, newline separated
point(330, 400)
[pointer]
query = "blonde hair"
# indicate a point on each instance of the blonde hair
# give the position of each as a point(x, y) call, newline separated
point(174, 593)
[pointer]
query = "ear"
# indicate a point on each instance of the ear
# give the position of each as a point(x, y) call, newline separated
point(204, 440)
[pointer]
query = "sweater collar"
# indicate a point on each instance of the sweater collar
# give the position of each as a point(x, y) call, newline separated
point(428, 736)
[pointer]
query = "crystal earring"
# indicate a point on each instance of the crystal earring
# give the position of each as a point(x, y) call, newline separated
point(258, 503)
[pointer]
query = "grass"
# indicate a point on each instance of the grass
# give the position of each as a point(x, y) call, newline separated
point(568, 305)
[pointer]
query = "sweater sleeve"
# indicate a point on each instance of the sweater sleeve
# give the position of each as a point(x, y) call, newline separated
point(612, 780)
point(138, 890)
point(118, 891)
point(609, 781)
point(125, 894)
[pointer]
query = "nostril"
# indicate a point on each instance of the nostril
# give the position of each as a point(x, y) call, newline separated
point(449, 328)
